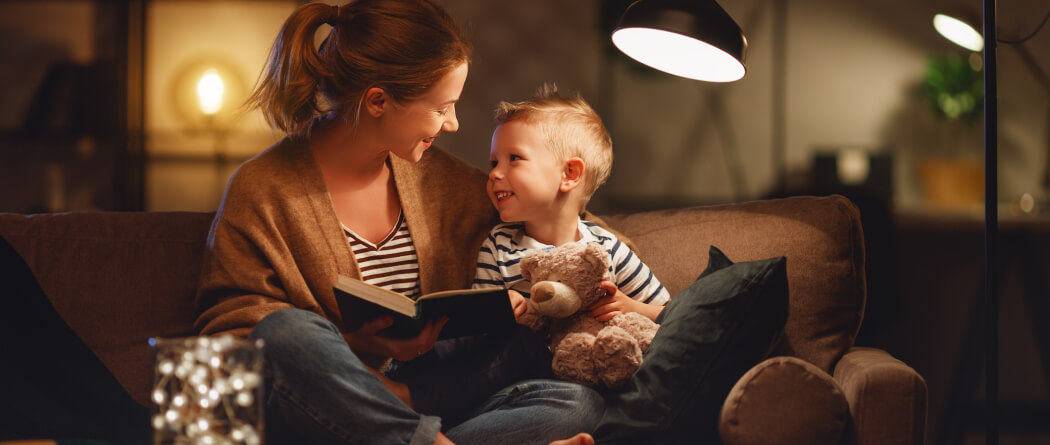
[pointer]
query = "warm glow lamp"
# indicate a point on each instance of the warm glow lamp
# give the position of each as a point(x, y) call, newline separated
point(693, 39)
point(204, 93)
point(209, 92)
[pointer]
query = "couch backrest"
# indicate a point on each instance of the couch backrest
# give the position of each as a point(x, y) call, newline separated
point(120, 278)
point(116, 278)
point(821, 237)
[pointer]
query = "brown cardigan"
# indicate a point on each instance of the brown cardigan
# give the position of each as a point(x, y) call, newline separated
point(276, 242)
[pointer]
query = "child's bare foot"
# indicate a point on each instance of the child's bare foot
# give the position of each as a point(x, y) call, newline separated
point(579, 439)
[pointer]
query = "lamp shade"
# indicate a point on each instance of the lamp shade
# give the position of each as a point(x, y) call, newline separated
point(693, 39)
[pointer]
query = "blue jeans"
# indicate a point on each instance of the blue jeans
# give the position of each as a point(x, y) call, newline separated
point(320, 392)
point(458, 375)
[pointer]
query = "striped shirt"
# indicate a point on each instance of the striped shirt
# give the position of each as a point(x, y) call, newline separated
point(507, 244)
point(391, 263)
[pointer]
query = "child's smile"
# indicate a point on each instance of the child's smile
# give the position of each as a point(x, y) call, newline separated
point(502, 197)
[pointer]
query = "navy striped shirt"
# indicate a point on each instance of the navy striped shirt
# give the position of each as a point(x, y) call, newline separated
point(507, 244)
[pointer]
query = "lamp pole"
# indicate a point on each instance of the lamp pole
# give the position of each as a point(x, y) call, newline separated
point(991, 226)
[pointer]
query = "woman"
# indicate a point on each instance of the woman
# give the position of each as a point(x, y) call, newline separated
point(355, 175)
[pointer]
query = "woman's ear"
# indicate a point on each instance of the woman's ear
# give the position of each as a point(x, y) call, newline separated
point(572, 174)
point(375, 101)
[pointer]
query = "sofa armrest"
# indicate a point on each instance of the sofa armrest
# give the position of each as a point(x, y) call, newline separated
point(887, 398)
point(787, 401)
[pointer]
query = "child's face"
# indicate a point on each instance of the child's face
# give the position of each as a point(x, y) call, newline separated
point(525, 178)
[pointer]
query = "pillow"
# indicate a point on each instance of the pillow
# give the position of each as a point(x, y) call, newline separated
point(51, 384)
point(710, 334)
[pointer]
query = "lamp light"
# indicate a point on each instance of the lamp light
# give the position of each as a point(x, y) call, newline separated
point(209, 92)
point(959, 32)
point(204, 93)
point(692, 39)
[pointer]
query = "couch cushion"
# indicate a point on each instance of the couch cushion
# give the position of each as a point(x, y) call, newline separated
point(786, 401)
point(821, 235)
point(52, 384)
point(710, 335)
point(140, 270)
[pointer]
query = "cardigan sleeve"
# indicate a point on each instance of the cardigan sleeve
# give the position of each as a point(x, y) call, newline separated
point(264, 251)
point(236, 289)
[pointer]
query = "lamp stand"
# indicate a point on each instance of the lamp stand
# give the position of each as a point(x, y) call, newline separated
point(991, 226)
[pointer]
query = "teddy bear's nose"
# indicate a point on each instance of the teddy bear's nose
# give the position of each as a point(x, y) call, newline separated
point(542, 291)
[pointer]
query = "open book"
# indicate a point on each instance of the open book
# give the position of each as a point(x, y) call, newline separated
point(469, 311)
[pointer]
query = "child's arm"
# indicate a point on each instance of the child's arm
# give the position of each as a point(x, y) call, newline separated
point(618, 302)
point(487, 275)
point(636, 288)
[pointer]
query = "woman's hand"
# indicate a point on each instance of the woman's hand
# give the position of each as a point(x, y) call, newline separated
point(616, 302)
point(518, 303)
point(368, 339)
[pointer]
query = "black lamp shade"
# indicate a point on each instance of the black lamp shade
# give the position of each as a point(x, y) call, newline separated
point(693, 39)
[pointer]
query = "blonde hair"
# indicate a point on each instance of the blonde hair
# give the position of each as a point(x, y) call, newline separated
point(403, 47)
point(570, 127)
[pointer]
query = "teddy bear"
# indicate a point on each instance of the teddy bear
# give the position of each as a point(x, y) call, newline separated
point(565, 281)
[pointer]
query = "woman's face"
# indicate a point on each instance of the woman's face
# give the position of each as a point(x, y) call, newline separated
point(411, 127)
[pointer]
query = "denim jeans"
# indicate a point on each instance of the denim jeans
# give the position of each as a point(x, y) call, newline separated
point(320, 392)
point(454, 378)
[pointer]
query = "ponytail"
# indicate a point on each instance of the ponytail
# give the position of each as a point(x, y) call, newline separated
point(286, 90)
point(403, 47)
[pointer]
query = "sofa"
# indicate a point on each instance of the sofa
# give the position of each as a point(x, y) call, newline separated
point(112, 280)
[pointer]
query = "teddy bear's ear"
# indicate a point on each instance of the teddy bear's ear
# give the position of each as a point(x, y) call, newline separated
point(596, 256)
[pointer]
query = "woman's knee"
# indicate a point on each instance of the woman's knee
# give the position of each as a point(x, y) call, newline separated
point(275, 327)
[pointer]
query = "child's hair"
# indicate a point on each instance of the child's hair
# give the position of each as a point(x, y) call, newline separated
point(403, 47)
point(570, 127)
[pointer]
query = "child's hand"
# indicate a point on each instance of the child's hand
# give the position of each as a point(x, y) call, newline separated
point(616, 302)
point(518, 303)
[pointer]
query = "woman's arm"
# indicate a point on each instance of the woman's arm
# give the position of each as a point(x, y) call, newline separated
point(237, 286)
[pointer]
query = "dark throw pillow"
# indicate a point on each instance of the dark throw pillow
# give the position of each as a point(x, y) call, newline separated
point(710, 334)
point(51, 384)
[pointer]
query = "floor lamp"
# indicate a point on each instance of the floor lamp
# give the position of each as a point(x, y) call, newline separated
point(692, 39)
point(961, 33)
point(687, 38)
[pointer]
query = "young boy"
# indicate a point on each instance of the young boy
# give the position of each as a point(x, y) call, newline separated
point(549, 154)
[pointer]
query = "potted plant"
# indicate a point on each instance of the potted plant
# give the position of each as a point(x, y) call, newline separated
point(951, 171)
